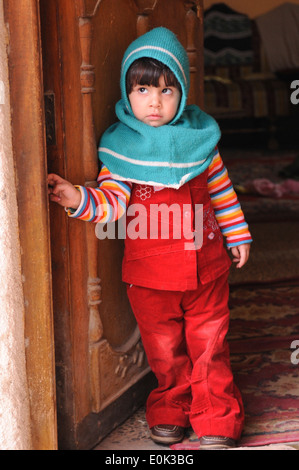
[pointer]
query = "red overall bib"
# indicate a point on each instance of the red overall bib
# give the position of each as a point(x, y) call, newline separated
point(180, 299)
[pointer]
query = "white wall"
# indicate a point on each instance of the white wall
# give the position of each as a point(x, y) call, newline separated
point(14, 407)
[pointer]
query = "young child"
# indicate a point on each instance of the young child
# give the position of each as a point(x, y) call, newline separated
point(162, 151)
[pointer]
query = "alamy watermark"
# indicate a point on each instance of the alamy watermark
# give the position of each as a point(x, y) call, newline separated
point(2, 92)
point(295, 353)
point(157, 221)
point(295, 93)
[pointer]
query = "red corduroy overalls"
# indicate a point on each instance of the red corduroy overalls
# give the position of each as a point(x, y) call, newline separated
point(180, 300)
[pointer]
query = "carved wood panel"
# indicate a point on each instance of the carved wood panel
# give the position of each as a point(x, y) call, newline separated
point(115, 350)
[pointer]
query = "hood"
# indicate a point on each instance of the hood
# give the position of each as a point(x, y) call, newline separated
point(165, 156)
point(160, 44)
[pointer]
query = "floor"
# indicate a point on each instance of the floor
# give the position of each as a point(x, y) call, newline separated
point(134, 435)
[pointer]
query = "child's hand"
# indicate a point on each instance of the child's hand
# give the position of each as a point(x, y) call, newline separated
point(241, 254)
point(63, 192)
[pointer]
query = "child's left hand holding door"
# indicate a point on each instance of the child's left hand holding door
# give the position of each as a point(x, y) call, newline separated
point(63, 192)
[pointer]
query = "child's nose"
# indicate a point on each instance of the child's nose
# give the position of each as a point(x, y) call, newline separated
point(155, 101)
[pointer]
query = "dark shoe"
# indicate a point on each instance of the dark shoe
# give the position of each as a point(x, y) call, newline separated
point(167, 433)
point(216, 443)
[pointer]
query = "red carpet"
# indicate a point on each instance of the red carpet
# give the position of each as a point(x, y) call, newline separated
point(264, 323)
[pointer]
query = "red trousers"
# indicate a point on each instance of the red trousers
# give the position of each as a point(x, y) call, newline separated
point(184, 336)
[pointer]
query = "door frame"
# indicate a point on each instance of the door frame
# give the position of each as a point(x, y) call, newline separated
point(29, 148)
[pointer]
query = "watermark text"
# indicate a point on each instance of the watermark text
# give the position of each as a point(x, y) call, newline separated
point(295, 353)
point(157, 221)
point(295, 93)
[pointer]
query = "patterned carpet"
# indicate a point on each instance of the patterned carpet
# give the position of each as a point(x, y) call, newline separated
point(264, 324)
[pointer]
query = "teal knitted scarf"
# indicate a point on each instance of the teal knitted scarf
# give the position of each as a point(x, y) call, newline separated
point(169, 155)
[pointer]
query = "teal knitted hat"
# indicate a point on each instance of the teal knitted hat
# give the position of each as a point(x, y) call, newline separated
point(160, 44)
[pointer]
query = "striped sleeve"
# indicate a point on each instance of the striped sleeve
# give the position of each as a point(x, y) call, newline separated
point(226, 206)
point(106, 203)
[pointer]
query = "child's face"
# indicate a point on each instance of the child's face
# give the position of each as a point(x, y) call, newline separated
point(155, 106)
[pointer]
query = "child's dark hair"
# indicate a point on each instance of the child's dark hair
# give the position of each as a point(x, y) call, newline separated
point(147, 71)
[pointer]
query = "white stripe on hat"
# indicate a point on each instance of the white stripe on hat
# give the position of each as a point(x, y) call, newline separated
point(162, 50)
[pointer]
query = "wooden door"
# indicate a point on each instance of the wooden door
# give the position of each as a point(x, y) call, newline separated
point(28, 126)
point(102, 373)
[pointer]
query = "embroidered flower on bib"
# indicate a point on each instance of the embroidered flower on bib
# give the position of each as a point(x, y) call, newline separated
point(210, 225)
point(209, 221)
point(143, 192)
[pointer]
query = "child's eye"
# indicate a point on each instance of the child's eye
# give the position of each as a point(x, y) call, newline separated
point(167, 91)
point(142, 90)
